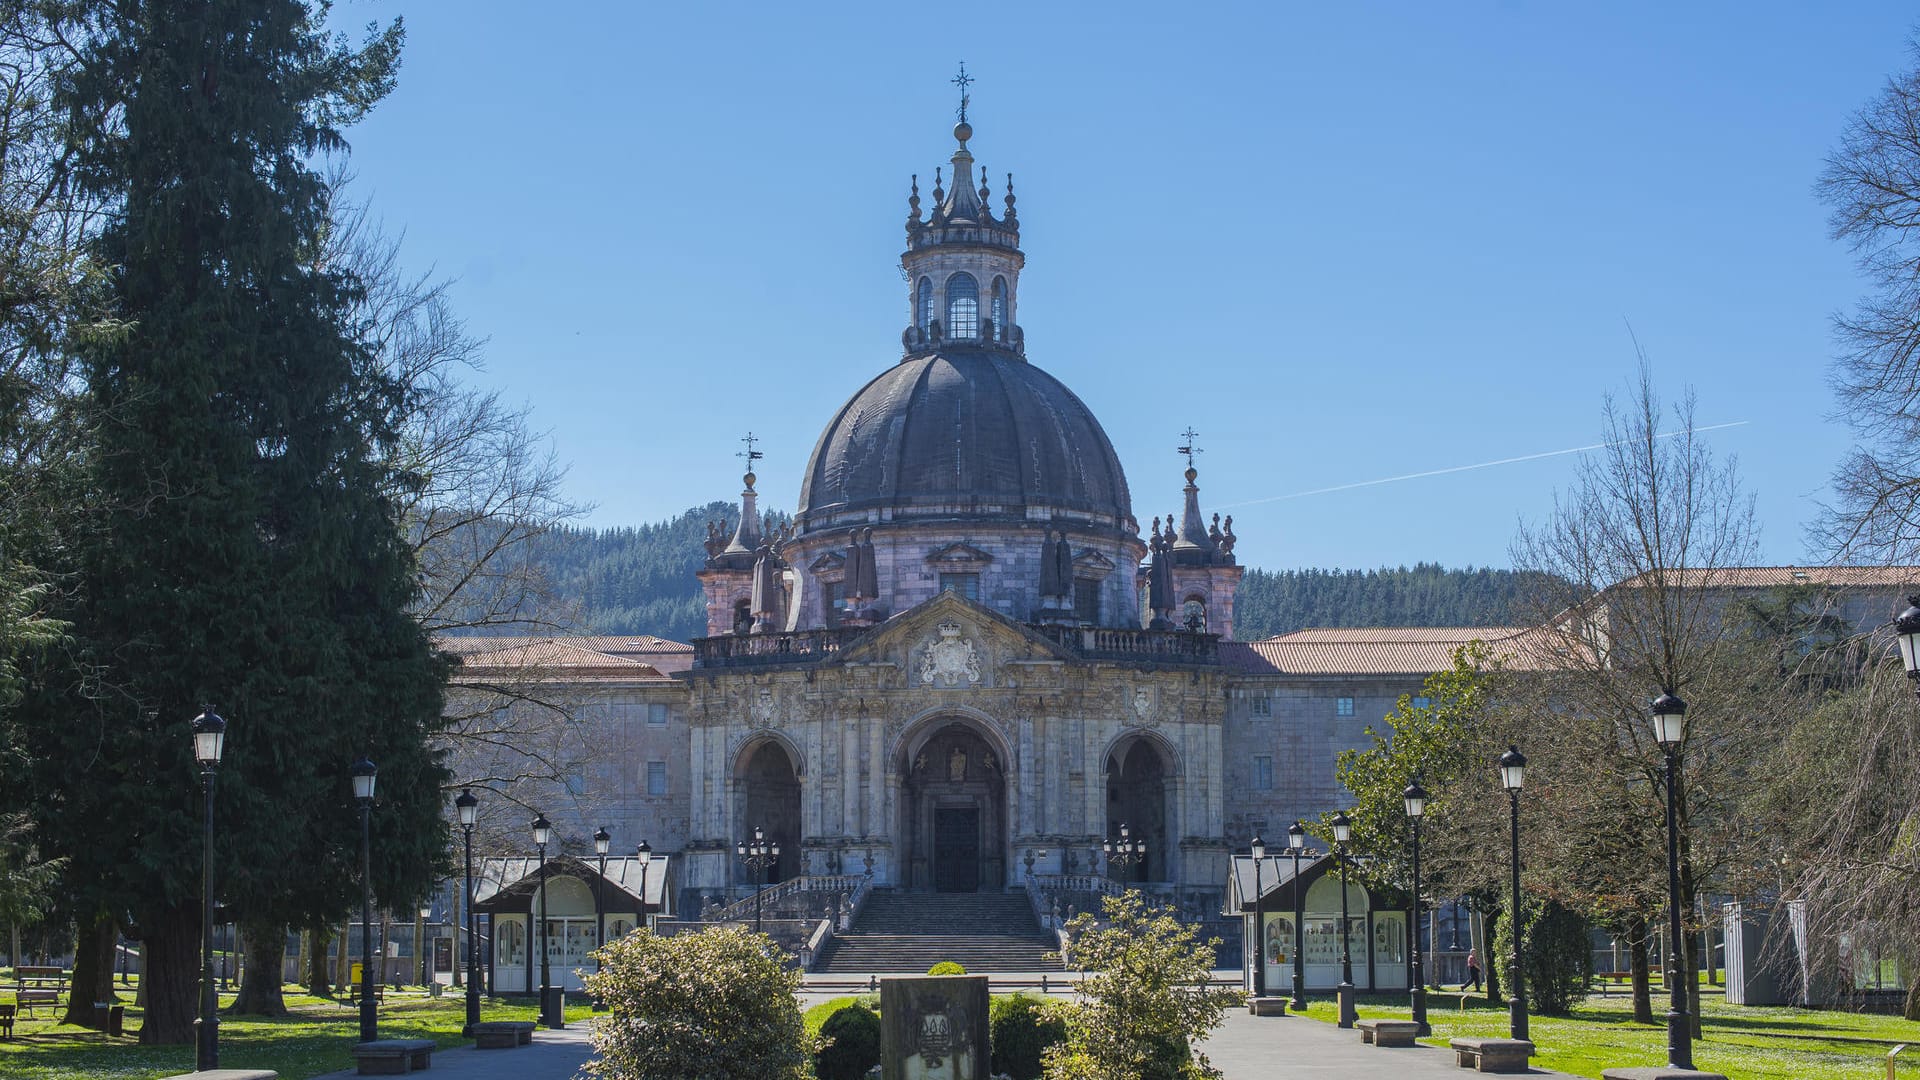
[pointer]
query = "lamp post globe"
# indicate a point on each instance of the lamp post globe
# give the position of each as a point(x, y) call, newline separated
point(1670, 731)
point(1906, 631)
point(758, 854)
point(364, 772)
point(645, 852)
point(209, 741)
point(1513, 773)
point(467, 806)
point(1296, 845)
point(1415, 798)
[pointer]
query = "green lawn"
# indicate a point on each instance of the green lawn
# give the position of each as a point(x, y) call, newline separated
point(316, 1038)
point(1749, 1043)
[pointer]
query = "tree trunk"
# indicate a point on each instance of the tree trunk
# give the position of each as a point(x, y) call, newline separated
point(92, 978)
point(319, 979)
point(1488, 965)
point(171, 950)
point(1911, 1010)
point(1642, 971)
point(266, 948)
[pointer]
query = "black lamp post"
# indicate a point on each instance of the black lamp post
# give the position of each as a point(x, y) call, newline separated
point(468, 808)
point(1513, 771)
point(1259, 850)
point(1126, 851)
point(1416, 799)
point(1297, 843)
point(758, 853)
point(209, 739)
point(646, 859)
point(1906, 630)
point(1343, 832)
point(1669, 730)
point(363, 776)
point(602, 841)
point(542, 832)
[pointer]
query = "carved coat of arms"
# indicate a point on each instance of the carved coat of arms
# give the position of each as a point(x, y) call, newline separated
point(761, 706)
point(1143, 703)
point(950, 660)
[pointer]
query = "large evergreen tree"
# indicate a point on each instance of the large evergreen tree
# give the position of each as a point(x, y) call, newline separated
point(242, 546)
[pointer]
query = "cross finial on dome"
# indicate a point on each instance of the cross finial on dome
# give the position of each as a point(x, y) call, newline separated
point(1189, 449)
point(751, 455)
point(963, 80)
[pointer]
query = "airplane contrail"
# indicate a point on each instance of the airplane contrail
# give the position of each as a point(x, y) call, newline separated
point(1464, 468)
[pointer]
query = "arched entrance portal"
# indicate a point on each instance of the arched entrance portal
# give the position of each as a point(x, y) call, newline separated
point(769, 788)
point(955, 810)
point(1137, 797)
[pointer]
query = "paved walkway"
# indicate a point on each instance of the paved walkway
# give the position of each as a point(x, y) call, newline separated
point(1245, 1047)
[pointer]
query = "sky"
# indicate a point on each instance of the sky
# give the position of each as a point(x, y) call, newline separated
point(1344, 242)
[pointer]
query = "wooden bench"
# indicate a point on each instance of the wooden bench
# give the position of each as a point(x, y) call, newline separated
point(1492, 1055)
point(502, 1034)
point(1388, 1032)
point(227, 1074)
point(33, 986)
point(6, 1021)
point(379, 993)
point(385, 1056)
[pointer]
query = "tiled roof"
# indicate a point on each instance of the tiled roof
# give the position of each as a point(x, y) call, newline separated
point(558, 656)
point(494, 875)
point(1394, 650)
point(1771, 577)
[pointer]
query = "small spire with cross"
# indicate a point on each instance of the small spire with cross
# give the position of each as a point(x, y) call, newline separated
point(751, 455)
point(963, 80)
point(1189, 449)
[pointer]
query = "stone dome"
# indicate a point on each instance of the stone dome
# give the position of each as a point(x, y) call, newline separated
point(964, 432)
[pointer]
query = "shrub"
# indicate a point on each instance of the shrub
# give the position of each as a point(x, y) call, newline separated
point(717, 1004)
point(818, 1015)
point(1147, 997)
point(1558, 958)
point(946, 967)
point(1020, 1028)
point(851, 1046)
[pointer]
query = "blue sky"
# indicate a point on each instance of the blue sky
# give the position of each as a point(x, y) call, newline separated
point(1344, 242)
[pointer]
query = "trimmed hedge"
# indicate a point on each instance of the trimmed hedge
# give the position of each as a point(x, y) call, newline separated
point(852, 1037)
point(946, 967)
point(1020, 1028)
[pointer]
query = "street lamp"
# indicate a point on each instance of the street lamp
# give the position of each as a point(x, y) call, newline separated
point(1259, 850)
point(468, 808)
point(1416, 799)
point(1669, 730)
point(542, 832)
point(209, 739)
point(1126, 851)
point(1513, 771)
point(602, 841)
point(1343, 832)
point(646, 859)
point(363, 775)
point(1296, 844)
point(1906, 630)
point(758, 853)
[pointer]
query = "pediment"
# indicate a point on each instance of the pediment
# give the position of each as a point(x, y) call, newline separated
point(831, 563)
point(1092, 564)
point(960, 555)
point(900, 638)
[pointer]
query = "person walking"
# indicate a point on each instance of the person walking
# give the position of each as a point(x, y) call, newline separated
point(1473, 970)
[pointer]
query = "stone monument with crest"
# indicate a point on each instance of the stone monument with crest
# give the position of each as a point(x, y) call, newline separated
point(934, 1028)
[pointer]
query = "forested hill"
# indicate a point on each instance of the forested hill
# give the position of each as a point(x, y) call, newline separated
point(639, 580)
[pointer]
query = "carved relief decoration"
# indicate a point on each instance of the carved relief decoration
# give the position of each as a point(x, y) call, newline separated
point(1143, 704)
point(761, 706)
point(951, 660)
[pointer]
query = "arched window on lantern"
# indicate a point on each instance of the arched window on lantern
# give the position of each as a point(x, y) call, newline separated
point(999, 310)
point(923, 304)
point(963, 307)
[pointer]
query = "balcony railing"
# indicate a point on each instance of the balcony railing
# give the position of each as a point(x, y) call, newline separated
point(1140, 646)
point(764, 650)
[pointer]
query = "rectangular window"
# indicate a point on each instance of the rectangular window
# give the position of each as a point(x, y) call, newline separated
point(967, 585)
point(1422, 702)
point(1086, 601)
point(1260, 705)
point(1262, 772)
point(656, 713)
point(1343, 706)
point(576, 779)
point(656, 778)
point(833, 599)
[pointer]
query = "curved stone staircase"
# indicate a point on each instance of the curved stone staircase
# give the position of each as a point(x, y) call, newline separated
point(910, 932)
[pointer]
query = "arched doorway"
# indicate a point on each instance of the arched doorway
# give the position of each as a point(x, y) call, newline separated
point(769, 790)
point(1137, 797)
point(954, 805)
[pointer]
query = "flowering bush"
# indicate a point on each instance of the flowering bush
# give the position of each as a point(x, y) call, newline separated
point(713, 1005)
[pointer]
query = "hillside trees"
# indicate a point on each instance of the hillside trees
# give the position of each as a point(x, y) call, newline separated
point(241, 544)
